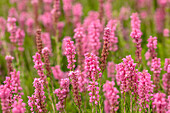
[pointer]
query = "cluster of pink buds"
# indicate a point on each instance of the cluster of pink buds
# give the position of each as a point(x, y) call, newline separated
point(30, 26)
point(94, 31)
point(64, 44)
point(91, 67)
point(12, 28)
point(156, 69)
point(111, 70)
point(159, 103)
point(166, 33)
point(18, 106)
point(74, 82)
point(152, 46)
point(108, 9)
point(47, 19)
point(13, 13)
point(111, 95)
point(145, 89)
point(77, 13)
point(62, 93)
point(136, 35)
point(38, 65)
point(38, 98)
point(20, 35)
point(47, 6)
point(127, 75)
point(82, 81)
point(112, 24)
point(166, 76)
point(70, 53)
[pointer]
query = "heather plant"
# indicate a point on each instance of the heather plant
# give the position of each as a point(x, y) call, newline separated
point(84, 56)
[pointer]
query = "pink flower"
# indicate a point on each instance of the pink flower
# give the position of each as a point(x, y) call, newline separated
point(112, 24)
point(94, 30)
point(152, 46)
point(77, 13)
point(166, 76)
point(70, 53)
point(20, 35)
point(58, 73)
point(67, 7)
point(168, 108)
point(159, 19)
point(111, 70)
point(159, 103)
point(46, 41)
point(47, 20)
point(145, 89)
point(127, 75)
point(156, 69)
point(30, 26)
point(18, 106)
point(38, 98)
point(108, 10)
point(93, 89)
point(111, 95)
point(12, 13)
point(74, 82)
point(38, 65)
point(166, 32)
point(64, 44)
point(60, 26)
point(22, 19)
point(12, 28)
point(62, 93)
point(91, 67)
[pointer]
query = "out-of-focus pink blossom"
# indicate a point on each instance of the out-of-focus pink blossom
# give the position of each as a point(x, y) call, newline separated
point(166, 32)
point(67, 7)
point(2, 27)
point(166, 76)
point(108, 10)
point(111, 70)
point(58, 73)
point(18, 106)
point(47, 20)
point(159, 19)
point(30, 26)
point(46, 41)
point(124, 13)
point(77, 13)
point(12, 13)
point(20, 35)
point(60, 26)
point(111, 95)
point(22, 19)
point(12, 28)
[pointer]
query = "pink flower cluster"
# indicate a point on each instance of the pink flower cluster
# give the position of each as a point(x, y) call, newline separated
point(47, 20)
point(108, 9)
point(111, 94)
point(58, 73)
point(111, 70)
point(82, 81)
point(93, 92)
point(64, 44)
point(70, 53)
point(127, 75)
point(30, 26)
point(152, 46)
point(156, 69)
point(91, 67)
point(166, 32)
point(112, 24)
point(62, 93)
point(94, 30)
point(77, 13)
point(20, 35)
point(67, 7)
point(18, 106)
point(46, 41)
point(166, 76)
point(12, 28)
point(38, 65)
point(38, 98)
point(74, 82)
point(145, 89)
point(136, 35)
point(159, 103)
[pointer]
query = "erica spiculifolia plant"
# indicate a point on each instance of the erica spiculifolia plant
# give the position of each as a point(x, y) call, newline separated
point(111, 70)
point(166, 76)
point(156, 69)
point(9, 59)
point(39, 41)
point(37, 101)
point(128, 79)
point(136, 35)
point(105, 50)
point(77, 13)
point(145, 90)
point(111, 102)
point(62, 93)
